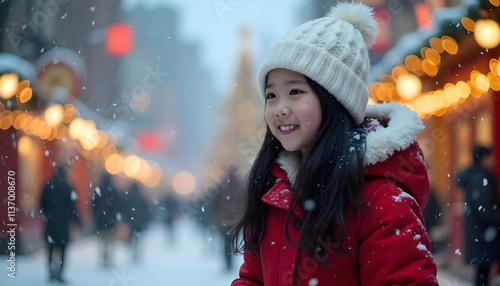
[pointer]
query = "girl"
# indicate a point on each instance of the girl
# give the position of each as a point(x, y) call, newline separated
point(334, 198)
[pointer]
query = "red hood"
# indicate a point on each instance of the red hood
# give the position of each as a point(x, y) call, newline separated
point(392, 150)
point(408, 169)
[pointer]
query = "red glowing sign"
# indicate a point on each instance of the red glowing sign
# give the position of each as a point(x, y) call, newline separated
point(119, 39)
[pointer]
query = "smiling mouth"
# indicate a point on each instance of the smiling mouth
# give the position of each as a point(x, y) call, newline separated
point(286, 129)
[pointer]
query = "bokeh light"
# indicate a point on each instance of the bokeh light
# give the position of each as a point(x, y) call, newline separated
point(183, 183)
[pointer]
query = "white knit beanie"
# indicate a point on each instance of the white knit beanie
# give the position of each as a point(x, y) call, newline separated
point(332, 51)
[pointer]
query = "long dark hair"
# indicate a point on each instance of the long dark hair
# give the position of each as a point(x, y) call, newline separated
point(330, 177)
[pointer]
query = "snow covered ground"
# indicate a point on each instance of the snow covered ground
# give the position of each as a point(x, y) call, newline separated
point(195, 259)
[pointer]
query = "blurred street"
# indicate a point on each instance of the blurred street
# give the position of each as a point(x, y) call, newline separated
point(130, 112)
point(187, 262)
point(195, 257)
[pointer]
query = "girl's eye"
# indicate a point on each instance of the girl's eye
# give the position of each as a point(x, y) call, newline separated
point(270, 95)
point(295, 91)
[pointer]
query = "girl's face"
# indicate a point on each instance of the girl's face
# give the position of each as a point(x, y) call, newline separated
point(293, 111)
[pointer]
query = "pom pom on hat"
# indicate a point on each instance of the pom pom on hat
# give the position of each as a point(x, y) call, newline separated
point(360, 16)
point(332, 51)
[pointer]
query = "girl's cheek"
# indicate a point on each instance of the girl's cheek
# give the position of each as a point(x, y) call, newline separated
point(268, 116)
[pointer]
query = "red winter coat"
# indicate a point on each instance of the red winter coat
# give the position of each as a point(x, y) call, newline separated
point(387, 240)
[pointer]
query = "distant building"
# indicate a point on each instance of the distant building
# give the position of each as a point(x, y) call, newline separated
point(182, 99)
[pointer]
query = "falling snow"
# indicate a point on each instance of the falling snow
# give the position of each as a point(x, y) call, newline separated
point(309, 205)
point(313, 282)
point(98, 191)
point(74, 196)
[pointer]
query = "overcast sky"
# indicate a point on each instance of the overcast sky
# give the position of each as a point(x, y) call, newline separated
point(215, 24)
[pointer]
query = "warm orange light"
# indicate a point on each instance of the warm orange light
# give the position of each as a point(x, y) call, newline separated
point(436, 44)
point(24, 145)
point(468, 24)
point(25, 95)
point(54, 114)
point(45, 130)
point(463, 89)
point(103, 139)
point(183, 183)
point(412, 62)
point(429, 68)
point(18, 121)
point(132, 166)
point(75, 128)
point(69, 113)
point(494, 81)
point(108, 151)
point(482, 83)
point(450, 95)
point(408, 86)
point(153, 176)
point(493, 64)
point(114, 163)
point(433, 56)
point(22, 85)
point(449, 45)
point(89, 137)
point(397, 71)
point(8, 85)
point(487, 33)
point(6, 122)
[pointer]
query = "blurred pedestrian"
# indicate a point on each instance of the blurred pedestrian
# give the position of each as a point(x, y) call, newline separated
point(171, 212)
point(137, 216)
point(58, 206)
point(225, 205)
point(432, 214)
point(482, 213)
point(106, 207)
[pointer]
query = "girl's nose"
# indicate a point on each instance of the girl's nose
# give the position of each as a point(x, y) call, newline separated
point(282, 110)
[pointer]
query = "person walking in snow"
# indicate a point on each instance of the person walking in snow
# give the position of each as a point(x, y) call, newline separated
point(137, 216)
point(58, 207)
point(482, 213)
point(336, 191)
point(106, 208)
point(224, 206)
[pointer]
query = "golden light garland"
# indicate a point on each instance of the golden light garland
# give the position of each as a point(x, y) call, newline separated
point(62, 123)
point(403, 83)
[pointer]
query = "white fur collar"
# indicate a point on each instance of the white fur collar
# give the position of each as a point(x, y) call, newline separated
point(401, 131)
point(289, 162)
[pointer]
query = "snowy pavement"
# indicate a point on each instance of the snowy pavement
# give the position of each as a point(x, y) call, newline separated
point(195, 259)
